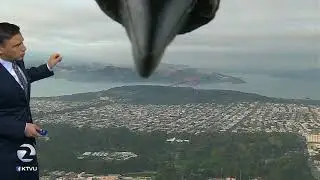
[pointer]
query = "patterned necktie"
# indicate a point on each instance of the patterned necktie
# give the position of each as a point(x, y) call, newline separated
point(20, 76)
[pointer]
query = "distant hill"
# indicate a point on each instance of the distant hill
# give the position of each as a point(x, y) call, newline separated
point(165, 74)
point(148, 94)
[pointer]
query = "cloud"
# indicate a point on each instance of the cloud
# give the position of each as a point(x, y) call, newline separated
point(78, 28)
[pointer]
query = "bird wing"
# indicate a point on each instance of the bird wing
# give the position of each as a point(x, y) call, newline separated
point(203, 12)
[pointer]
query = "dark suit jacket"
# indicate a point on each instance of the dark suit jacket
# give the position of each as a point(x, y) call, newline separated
point(14, 114)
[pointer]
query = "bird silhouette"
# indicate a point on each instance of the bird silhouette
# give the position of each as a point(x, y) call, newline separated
point(151, 25)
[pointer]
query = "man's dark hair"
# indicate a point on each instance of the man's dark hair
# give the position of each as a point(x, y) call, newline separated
point(7, 31)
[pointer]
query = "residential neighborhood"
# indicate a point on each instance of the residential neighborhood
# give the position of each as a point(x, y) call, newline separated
point(192, 118)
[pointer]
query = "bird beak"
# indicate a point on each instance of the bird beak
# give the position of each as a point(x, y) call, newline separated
point(151, 25)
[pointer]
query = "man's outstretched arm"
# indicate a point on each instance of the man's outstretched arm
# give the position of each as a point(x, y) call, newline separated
point(38, 73)
point(44, 70)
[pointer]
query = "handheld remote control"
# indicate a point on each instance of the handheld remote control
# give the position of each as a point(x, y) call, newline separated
point(43, 132)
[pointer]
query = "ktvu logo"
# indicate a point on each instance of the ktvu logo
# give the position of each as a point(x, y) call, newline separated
point(22, 152)
point(25, 153)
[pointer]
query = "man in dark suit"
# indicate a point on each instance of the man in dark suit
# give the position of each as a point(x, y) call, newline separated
point(18, 133)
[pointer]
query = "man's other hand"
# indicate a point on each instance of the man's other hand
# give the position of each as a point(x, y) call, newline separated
point(54, 60)
point(31, 130)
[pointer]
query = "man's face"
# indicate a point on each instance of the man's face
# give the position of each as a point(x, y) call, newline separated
point(13, 49)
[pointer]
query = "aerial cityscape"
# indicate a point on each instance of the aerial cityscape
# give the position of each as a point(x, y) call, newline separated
point(194, 118)
point(228, 90)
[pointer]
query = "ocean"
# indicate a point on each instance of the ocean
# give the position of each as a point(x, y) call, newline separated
point(256, 83)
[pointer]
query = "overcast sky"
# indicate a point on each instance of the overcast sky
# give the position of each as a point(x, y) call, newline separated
point(244, 34)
